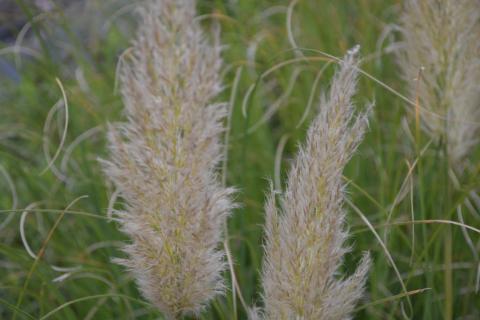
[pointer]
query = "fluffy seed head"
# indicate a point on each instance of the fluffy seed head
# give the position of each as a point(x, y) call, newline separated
point(442, 50)
point(163, 159)
point(305, 236)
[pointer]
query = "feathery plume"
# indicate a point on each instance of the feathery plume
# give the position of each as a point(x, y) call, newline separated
point(442, 46)
point(305, 238)
point(164, 160)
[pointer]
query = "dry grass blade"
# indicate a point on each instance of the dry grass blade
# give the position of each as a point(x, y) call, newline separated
point(41, 253)
point(65, 128)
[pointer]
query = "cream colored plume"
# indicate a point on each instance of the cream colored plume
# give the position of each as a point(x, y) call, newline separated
point(163, 160)
point(442, 51)
point(305, 234)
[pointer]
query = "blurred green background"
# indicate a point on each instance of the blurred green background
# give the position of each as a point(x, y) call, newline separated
point(79, 43)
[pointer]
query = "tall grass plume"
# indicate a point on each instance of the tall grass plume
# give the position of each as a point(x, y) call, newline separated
point(305, 236)
point(441, 51)
point(164, 159)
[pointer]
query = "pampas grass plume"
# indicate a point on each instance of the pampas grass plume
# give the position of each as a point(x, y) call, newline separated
point(164, 158)
point(442, 45)
point(305, 236)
